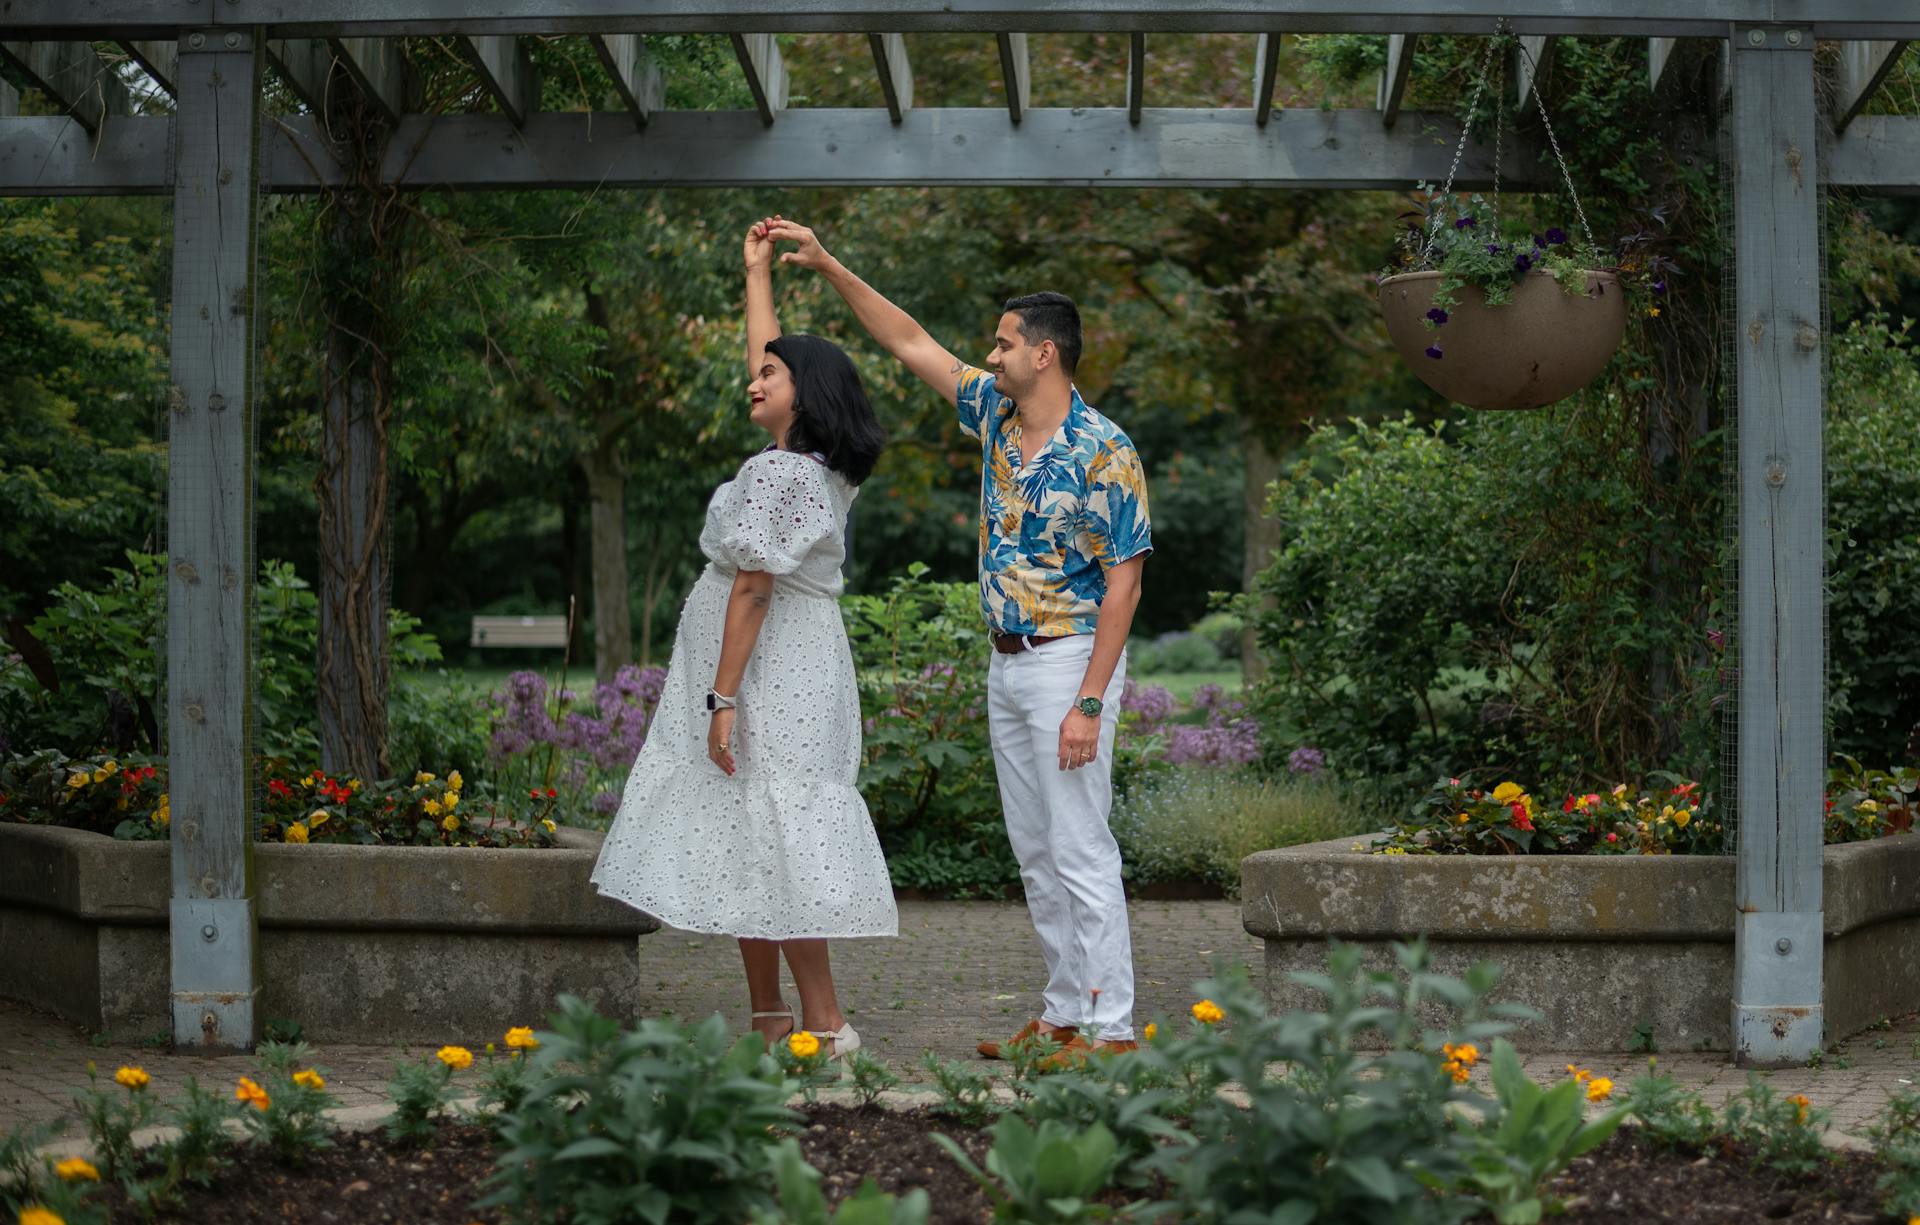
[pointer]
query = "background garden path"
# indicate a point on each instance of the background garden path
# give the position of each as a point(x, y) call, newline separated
point(960, 971)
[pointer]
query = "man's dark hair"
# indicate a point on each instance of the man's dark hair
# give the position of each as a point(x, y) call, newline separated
point(1050, 316)
point(832, 414)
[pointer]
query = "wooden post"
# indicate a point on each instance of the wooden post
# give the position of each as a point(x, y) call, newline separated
point(210, 584)
point(1777, 1010)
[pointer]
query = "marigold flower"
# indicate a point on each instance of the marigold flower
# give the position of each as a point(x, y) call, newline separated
point(1151, 1031)
point(1208, 1013)
point(1457, 1070)
point(521, 1038)
point(1507, 793)
point(1462, 819)
point(1579, 1074)
point(1800, 1107)
point(73, 1169)
point(252, 1094)
point(1599, 1089)
point(34, 1214)
point(296, 832)
point(132, 1077)
point(1465, 1052)
point(459, 1058)
point(803, 1044)
point(308, 1078)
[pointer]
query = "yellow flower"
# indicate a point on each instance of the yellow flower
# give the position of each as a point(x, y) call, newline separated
point(163, 815)
point(320, 817)
point(34, 1214)
point(431, 807)
point(308, 1078)
point(1462, 819)
point(1599, 1088)
point(353, 784)
point(77, 781)
point(1394, 850)
point(1507, 793)
point(551, 827)
point(459, 1058)
point(1653, 312)
point(132, 1077)
point(423, 777)
point(803, 1044)
point(521, 1038)
point(1579, 1074)
point(1800, 1107)
point(1151, 1031)
point(1457, 1070)
point(75, 1168)
point(1681, 817)
point(108, 769)
point(1867, 806)
point(451, 823)
point(451, 802)
point(296, 832)
point(1666, 814)
point(307, 781)
point(1465, 1052)
point(252, 1094)
point(1208, 1013)
point(453, 780)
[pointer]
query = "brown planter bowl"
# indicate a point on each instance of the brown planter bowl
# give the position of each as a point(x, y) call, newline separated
point(1541, 347)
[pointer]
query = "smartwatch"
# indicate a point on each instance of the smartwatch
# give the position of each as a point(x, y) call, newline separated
point(720, 701)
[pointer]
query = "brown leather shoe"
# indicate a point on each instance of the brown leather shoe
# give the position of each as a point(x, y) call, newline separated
point(1061, 1035)
point(1073, 1055)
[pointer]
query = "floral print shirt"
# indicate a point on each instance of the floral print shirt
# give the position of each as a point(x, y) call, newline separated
point(1049, 530)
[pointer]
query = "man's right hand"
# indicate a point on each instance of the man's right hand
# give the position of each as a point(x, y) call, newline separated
point(759, 247)
point(810, 253)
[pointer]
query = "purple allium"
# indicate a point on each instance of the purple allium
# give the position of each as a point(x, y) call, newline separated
point(1433, 351)
point(1306, 760)
point(1153, 703)
point(1437, 315)
point(606, 803)
point(1209, 697)
point(1556, 236)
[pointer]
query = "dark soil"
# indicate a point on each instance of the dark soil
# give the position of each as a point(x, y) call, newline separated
point(367, 1179)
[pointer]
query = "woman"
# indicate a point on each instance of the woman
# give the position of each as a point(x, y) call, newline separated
point(740, 817)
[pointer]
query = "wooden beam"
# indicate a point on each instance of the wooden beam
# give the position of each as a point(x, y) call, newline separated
point(1394, 77)
point(1266, 65)
point(636, 78)
point(1136, 75)
point(80, 83)
point(896, 74)
point(759, 57)
point(159, 58)
point(506, 72)
point(1862, 68)
point(1532, 62)
point(376, 66)
point(1015, 72)
point(1780, 758)
point(210, 561)
point(304, 64)
point(9, 100)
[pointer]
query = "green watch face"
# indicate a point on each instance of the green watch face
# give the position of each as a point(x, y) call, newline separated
point(1089, 706)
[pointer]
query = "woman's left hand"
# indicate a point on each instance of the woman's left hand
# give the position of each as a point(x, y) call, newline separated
point(720, 739)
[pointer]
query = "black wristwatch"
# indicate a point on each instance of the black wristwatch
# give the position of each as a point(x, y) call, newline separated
point(1090, 706)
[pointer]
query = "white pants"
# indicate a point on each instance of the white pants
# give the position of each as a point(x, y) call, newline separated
point(1057, 822)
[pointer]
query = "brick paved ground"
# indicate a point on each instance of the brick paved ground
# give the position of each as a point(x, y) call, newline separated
point(959, 972)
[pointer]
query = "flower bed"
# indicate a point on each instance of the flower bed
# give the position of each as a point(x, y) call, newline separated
point(1597, 943)
point(368, 943)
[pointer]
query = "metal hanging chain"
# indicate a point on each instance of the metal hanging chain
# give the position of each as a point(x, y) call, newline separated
point(1499, 136)
point(1479, 86)
point(1533, 78)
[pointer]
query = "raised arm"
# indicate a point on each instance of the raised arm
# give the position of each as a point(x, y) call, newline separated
point(761, 324)
point(896, 330)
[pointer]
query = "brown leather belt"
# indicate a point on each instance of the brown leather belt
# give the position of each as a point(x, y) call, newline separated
point(1013, 644)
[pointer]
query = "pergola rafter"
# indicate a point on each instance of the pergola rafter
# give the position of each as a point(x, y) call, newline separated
point(218, 147)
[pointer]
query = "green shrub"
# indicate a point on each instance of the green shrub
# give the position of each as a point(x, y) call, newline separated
point(1047, 1175)
point(801, 1202)
point(1198, 824)
point(1530, 1135)
point(659, 1123)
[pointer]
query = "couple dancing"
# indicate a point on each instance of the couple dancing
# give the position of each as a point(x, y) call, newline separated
point(740, 816)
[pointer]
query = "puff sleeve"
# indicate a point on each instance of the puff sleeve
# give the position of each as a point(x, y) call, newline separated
point(779, 510)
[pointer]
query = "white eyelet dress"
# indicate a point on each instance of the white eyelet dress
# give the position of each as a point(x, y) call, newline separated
point(784, 849)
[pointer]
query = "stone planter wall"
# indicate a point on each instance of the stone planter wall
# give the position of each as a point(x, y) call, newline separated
point(1602, 945)
point(368, 944)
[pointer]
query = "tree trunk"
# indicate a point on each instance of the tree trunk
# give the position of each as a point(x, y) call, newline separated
point(1262, 468)
point(612, 617)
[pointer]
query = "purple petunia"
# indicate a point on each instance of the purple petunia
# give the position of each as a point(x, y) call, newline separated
point(1493, 248)
point(1465, 223)
point(1556, 236)
point(1539, 243)
point(1522, 262)
point(1659, 287)
point(1433, 351)
point(1437, 315)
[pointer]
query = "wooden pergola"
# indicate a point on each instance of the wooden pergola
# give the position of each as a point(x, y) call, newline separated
point(218, 150)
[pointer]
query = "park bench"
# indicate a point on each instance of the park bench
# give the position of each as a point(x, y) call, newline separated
point(519, 632)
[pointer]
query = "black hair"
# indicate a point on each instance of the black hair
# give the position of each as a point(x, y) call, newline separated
point(831, 412)
point(1050, 316)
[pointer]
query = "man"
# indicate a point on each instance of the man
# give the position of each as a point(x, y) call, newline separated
point(1063, 539)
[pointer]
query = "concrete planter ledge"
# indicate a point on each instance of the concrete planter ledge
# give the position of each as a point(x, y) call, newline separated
point(1604, 946)
point(364, 943)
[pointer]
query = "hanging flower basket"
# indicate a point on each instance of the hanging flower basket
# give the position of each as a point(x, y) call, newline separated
point(1541, 346)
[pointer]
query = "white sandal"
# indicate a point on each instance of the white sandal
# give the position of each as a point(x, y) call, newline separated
point(845, 1039)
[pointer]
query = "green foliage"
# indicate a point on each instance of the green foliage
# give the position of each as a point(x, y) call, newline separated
point(111, 1116)
point(1046, 1175)
point(1135, 1096)
point(292, 1123)
point(663, 1122)
point(421, 1091)
point(1464, 241)
point(870, 1077)
point(1896, 1136)
point(20, 1164)
point(1532, 1134)
point(198, 1152)
point(1177, 651)
point(801, 1202)
point(1784, 1132)
point(966, 1094)
point(1198, 824)
point(1667, 816)
point(1668, 1113)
